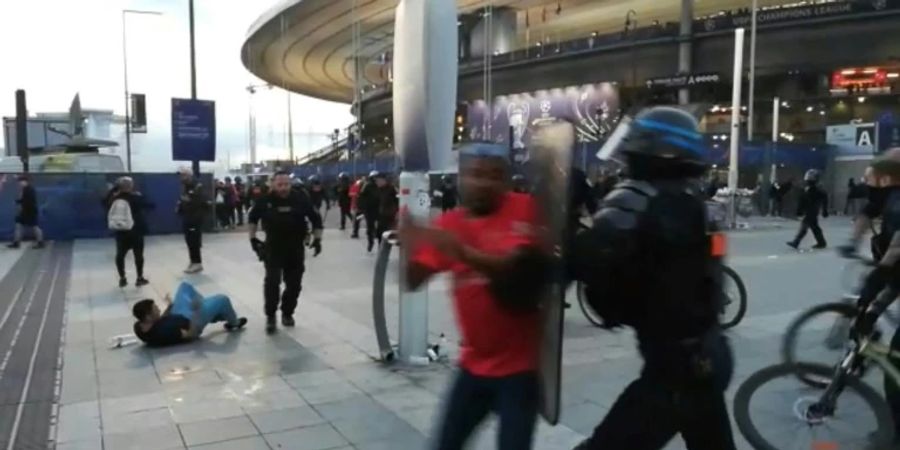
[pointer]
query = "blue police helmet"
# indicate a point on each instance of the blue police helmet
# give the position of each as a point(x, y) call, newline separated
point(667, 133)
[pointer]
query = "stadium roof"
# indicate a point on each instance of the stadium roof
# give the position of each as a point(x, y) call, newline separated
point(306, 46)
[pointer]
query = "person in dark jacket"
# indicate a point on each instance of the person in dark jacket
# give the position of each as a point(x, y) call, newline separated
point(27, 216)
point(133, 239)
point(318, 196)
point(388, 206)
point(813, 202)
point(342, 196)
point(241, 201)
point(367, 203)
point(193, 207)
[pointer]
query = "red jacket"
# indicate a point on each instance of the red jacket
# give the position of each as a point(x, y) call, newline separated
point(354, 194)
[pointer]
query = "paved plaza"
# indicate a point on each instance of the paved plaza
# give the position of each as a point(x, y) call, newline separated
point(319, 386)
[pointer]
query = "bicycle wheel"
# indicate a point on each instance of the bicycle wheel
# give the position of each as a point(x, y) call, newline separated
point(586, 307)
point(734, 303)
point(819, 335)
point(770, 409)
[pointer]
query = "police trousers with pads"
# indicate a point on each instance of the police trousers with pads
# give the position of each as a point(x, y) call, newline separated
point(287, 266)
point(668, 399)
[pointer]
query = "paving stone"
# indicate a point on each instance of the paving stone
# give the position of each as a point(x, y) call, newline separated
point(249, 443)
point(327, 393)
point(198, 433)
point(187, 412)
point(286, 419)
point(157, 438)
point(375, 428)
point(318, 437)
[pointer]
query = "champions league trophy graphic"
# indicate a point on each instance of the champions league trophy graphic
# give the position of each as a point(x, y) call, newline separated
point(517, 114)
point(593, 119)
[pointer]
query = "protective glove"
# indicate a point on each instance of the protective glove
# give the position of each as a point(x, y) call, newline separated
point(316, 245)
point(258, 247)
point(864, 325)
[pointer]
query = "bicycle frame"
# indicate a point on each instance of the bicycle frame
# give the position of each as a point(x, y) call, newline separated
point(881, 354)
point(867, 350)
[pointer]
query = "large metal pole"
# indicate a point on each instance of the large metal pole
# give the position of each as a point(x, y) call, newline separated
point(127, 96)
point(752, 93)
point(290, 129)
point(195, 164)
point(776, 110)
point(685, 47)
point(735, 122)
point(425, 76)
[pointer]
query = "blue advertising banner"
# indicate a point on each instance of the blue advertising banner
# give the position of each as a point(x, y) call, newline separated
point(193, 130)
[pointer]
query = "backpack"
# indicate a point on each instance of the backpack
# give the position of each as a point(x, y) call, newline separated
point(119, 217)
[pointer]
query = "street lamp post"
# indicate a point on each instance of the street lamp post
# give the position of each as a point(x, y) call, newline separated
point(631, 25)
point(195, 164)
point(125, 70)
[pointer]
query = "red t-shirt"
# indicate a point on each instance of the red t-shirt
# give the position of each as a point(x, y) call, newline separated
point(495, 341)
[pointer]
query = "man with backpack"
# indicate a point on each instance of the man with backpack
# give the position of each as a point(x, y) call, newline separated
point(126, 219)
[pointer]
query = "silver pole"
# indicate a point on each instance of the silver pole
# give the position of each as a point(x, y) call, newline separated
point(290, 128)
point(776, 110)
point(752, 93)
point(735, 122)
point(127, 96)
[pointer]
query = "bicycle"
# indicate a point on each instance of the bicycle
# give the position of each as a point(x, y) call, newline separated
point(821, 331)
point(734, 300)
point(809, 418)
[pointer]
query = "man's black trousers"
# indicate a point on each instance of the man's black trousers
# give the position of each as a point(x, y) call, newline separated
point(810, 223)
point(193, 237)
point(130, 241)
point(287, 267)
point(648, 415)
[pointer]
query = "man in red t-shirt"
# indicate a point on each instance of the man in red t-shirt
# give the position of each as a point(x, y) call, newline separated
point(497, 265)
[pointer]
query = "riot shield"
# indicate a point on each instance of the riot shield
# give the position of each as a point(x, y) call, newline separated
point(549, 166)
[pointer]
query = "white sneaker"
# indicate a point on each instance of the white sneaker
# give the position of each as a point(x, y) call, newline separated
point(194, 268)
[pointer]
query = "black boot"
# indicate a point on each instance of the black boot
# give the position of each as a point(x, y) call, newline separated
point(287, 321)
point(123, 282)
point(271, 325)
point(141, 281)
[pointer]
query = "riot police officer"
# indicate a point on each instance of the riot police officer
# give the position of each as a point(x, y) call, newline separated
point(283, 214)
point(813, 201)
point(317, 195)
point(449, 196)
point(648, 263)
point(519, 185)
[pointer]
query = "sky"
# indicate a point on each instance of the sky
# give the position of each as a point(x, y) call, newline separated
point(75, 46)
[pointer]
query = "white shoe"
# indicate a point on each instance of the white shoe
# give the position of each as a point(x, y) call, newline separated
point(194, 268)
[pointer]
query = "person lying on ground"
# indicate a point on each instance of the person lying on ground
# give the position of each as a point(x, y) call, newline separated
point(184, 317)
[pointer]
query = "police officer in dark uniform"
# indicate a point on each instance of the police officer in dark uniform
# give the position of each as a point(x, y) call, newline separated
point(388, 206)
point(813, 201)
point(369, 204)
point(648, 263)
point(284, 215)
point(342, 194)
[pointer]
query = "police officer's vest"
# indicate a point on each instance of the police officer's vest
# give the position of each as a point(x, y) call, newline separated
point(284, 220)
point(669, 286)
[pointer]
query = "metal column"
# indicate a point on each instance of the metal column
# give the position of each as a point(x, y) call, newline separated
point(685, 47)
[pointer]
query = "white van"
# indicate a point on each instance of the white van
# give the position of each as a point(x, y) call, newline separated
point(65, 162)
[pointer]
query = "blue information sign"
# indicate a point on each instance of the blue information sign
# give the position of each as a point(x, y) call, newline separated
point(193, 130)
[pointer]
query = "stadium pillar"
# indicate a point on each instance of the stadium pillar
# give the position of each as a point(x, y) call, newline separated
point(685, 47)
point(424, 106)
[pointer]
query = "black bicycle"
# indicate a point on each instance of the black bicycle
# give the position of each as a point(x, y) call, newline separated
point(819, 335)
point(734, 300)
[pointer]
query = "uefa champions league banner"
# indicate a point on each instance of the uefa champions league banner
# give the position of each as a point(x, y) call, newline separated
point(592, 108)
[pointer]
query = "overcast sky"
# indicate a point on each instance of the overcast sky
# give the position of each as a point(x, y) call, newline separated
point(56, 48)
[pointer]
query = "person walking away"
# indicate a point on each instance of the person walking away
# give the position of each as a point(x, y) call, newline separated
point(241, 201)
point(354, 206)
point(388, 206)
point(647, 263)
point(497, 265)
point(449, 197)
point(27, 216)
point(192, 208)
point(318, 196)
point(882, 284)
point(231, 200)
point(813, 202)
point(258, 191)
point(342, 196)
point(368, 204)
point(126, 219)
point(283, 214)
point(221, 206)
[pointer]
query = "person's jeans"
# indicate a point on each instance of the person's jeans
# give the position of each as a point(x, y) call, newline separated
point(215, 308)
point(514, 398)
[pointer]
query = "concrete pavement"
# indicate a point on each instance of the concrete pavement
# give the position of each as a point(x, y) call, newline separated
point(318, 386)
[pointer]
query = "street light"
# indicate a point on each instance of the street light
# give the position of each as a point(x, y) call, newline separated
point(631, 24)
point(251, 89)
point(125, 67)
